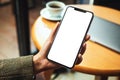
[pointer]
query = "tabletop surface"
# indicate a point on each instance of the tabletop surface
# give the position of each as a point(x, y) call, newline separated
point(97, 59)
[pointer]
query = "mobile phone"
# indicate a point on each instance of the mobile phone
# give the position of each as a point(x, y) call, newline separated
point(70, 36)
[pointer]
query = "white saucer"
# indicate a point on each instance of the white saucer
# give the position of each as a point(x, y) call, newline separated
point(46, 15)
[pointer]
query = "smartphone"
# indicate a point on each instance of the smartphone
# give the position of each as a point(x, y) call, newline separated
point(70, 36)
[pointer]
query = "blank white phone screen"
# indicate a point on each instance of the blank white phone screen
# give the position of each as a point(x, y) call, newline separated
point(69, 37)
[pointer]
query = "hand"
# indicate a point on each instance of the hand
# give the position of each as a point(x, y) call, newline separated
point(41, 63)
point(83, 50)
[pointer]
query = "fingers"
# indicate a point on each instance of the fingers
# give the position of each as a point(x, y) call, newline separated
point(81, 53)
point(84, 44)
point(83, 49)
point(87, 37)
point(79, 60)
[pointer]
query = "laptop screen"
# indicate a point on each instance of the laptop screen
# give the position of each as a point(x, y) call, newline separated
point(106, 33)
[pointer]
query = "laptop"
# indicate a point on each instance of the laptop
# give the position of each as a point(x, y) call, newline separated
point(105, 33)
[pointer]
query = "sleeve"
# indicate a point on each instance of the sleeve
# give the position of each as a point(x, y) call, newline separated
point(17, 68)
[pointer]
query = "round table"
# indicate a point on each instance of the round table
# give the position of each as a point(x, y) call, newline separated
point(97, 60)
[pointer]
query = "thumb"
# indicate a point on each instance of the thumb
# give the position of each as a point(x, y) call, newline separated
point(46, 47)
point(53, 33)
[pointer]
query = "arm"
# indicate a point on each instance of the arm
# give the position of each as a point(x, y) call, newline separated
point(23, 68)
point(17, 68)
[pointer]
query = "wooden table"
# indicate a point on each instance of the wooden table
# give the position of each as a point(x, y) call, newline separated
point(97, 60)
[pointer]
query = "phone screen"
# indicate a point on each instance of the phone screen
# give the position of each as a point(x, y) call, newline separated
point(70, 36)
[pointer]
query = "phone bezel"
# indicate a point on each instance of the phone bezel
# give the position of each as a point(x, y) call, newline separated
point(84, 11)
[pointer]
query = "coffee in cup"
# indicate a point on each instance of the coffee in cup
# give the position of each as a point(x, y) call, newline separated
point(55, 8)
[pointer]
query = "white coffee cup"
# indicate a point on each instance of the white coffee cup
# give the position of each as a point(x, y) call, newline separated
point(55, 8)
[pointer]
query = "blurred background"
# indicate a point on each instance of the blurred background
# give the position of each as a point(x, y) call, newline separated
point(9, 44)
